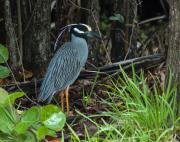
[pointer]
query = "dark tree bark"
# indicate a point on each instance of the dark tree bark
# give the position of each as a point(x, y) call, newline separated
point(173, 54)
point(66, 13)
point(11, 39)
point(118, 33)
point(2, 24)
point(37, 49)
point(123, 34)
point(97, 54)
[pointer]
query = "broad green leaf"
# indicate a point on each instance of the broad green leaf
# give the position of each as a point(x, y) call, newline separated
point(51, 133)
point(27, 137)
point(4, 72)
point(3, 96)
point(13, 96)
point(6, 123)
point(6, 99)
point(42, 132)
point(28, 118)
point(56, 121)
point(31, 115)
point(52, 117)
point(3, 92)
point(4, 54)
point(30, 137)
point(47, 111)
point(22, 127)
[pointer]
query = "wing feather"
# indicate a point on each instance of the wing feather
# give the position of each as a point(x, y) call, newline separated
point(62, 71)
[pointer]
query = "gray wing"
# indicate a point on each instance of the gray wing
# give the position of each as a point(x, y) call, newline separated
point(62, 71)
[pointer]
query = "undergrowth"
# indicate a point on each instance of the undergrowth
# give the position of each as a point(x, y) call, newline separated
point(136, 112)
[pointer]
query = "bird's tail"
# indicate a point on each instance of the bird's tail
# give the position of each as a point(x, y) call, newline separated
point(46, 93)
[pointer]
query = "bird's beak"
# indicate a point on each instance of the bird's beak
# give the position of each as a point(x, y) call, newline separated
point(91, 34)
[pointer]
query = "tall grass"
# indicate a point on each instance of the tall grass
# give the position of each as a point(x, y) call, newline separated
point(146, 115)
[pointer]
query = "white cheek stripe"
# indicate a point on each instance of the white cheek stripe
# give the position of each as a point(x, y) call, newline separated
point(78, 31)
point(89, 28)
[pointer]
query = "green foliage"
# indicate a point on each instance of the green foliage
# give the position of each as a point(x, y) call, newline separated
point(3, 96)
point(4, 55)
point(47, 111)
point(30, 126)
point(117, 17)
point(56, 121)
point(28, 118)
point(7, 120)
point(13, 96)
point(147, 114)
point(104, 24)
point(4, 72)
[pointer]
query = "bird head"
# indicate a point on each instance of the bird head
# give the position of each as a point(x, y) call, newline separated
point(79, 30)
point(83, 31)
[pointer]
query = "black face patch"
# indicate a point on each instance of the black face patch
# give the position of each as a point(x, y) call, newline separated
point(79, 30)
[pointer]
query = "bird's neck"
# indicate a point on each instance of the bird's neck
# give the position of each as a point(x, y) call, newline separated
point(82, 49)
point(78, 40)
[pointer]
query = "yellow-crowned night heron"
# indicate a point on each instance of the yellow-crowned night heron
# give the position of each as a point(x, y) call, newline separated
point(66, 64)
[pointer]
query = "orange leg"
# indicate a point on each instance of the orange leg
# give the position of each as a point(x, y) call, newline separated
point(62, 100)
point(67, 99)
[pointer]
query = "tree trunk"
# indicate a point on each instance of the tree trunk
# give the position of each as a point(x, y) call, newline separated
point(123, 34)
point(2, 23)
point(92, 18)
point(173, 54)
point(68, 8)
point(37, 49)
point(11, 39)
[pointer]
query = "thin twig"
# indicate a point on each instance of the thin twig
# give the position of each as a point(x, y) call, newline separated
point(107, 54)
point(16, 83)
point(30, 19)
point(152, 19)
point(83, 8)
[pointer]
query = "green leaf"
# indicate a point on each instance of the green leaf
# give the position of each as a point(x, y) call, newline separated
point(4, 72)
point(4, 54)
point(42, 132)
point(3, 92)
point(13, 96)
point(3, 137)
point(6, 100)
point(29, 117)
point(51, 133)
point(6, 123)
point(47, 111)
point(117, 17)
point(52, 117)
point(3, 96)
point(30, 137)
point(27, 137)
point(56, 121)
